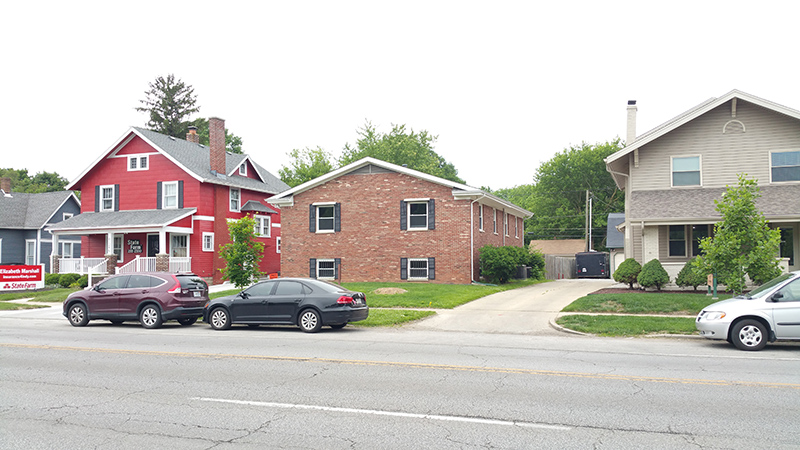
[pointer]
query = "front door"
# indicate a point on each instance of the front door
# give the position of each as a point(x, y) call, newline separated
point(152, 245)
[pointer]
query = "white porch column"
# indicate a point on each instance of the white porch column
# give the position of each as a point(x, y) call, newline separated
point(54, 240)
point(162, 241)
point(109, 243)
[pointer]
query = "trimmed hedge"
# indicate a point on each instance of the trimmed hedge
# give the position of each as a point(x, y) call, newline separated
point(627, 272)
point(690, 276)
point(653, 275)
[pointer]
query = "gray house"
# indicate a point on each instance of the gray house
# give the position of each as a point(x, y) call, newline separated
point(673, 173)
point(23, 217)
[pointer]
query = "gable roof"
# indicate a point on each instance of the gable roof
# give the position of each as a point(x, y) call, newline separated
point(686, 117)
point(460, 191)
point(194, 159)
point(31, 211)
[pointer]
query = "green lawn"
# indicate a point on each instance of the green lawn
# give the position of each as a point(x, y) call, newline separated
point(44, 296)
point(628, 325)
point(391, 317)
point(643, 303)
point(8, 306)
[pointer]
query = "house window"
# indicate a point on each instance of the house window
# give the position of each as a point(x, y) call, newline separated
point(686, 171)
point(208, 242)
point(179, 246)
point(106, 198)
point(30, 252)
point(326, 269)
point(169, 198)
point(418, 216)
point(699, 232)
point(278, 244)
point(137, 163)
point(66, 249)
point(262, 226)
point(505, 223)
point(785, 166)
point(325, 218)
point(677, 240)
point(417, 269)
point(516, 227)
point(494, 221)
point(118, 248)
point(66, 216)
point(480, 217)
point(235, 196)
point(243, 169)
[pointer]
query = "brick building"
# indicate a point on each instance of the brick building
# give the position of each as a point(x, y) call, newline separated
point(376, 221)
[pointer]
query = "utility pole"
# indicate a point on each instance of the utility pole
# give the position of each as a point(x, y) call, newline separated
point(586, 226)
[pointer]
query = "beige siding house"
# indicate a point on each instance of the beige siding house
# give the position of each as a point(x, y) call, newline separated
point(672, 175)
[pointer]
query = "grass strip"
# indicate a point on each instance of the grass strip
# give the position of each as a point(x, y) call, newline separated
point(643, 303)
point(391, 317)
point(44, 296)
point(604, 325)
point(8, 306)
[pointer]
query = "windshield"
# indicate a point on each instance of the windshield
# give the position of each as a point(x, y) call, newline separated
point(766, 287)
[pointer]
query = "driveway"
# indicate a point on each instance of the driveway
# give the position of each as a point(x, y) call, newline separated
point(526, 310)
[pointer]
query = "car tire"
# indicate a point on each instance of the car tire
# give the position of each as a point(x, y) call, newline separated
point(78, 315)
point(187, 321)
point(219, 319)
point(309, 321)
point(749, 335)
point(338, 326)
point(150, 317)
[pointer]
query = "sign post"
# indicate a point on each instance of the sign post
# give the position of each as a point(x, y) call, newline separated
point(13, 278)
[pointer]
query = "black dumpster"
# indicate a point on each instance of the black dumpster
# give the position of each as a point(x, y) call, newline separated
point(592, 265)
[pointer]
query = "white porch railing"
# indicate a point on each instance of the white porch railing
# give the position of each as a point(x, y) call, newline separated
point(183, 264)
point(148, 264)
point(82, 265)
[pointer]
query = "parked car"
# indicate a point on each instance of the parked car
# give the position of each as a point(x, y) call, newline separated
point(151, 298)
point(305, 302)
point(768, 313)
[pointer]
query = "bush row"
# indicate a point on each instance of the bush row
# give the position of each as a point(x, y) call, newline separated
point(653, 275)
point(66, 280)
point(500, 264)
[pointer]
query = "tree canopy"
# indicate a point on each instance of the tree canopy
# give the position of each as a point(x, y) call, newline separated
point(243, 254)
point(41, 182)
point(233, 143)
point(307, 164)
point(168, 103)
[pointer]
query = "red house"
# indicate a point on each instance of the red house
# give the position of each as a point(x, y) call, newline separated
point(376, 221)
point(154, 202)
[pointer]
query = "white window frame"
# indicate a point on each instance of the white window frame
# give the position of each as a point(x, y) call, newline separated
point(320, 269)
point(208, 241)
point(771, 167)
point(409, 204)
point(494, 220)
point(278, 244)
point(30, 254)
point(243, 169)
point(137, 160)
point(172, 247)
point(238, 199)
point(505, 223)
point(332, 218)
point(516, 227)
point(480, 217)
point(66, 215)
point(164, 195)
point(118, 249)
point(64, 245)
point(411, 262)
point(672, 171)
point(103, 199)
point(263, 226)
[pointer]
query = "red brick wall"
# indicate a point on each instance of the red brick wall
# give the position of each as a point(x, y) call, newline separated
point(371, 243)
point(487, 236)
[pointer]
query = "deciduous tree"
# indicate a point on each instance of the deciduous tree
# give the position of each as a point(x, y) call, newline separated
point(306, 165)
point(41, 182)
point(243, 254)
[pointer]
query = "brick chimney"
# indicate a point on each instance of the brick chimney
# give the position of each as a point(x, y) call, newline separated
point(192, 135)
point(631, 135)
point(5, 184)
point(216, 141)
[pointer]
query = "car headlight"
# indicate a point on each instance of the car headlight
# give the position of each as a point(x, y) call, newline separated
point(713, 315)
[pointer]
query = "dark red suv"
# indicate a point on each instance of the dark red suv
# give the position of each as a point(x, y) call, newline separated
point(151, 298)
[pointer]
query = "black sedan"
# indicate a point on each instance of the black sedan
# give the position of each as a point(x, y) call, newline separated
point(305, 302)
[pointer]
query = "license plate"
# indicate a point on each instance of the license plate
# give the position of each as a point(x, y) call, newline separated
point(196, 293)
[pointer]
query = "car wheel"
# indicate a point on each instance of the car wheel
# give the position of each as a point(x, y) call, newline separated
point(187, 321)
point(77, 315)
point(219, 319)
point(150, 316)
point(749, 335)
point(115, 322)
point(338, 326)
point(309, 321)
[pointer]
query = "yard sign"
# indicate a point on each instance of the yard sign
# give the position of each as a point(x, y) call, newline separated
point(21, 277)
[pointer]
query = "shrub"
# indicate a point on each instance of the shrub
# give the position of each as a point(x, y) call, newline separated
point(67, 279)
point(653, 275)
point(690, 275)
point(499, 264)
point(627, 272)
point(51, 279)
point(82, 282)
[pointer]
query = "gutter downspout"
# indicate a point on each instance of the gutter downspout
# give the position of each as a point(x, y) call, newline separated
point(472, 238)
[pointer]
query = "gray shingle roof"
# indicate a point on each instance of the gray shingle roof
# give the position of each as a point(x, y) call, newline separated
point(30, 211)
point(253, 205)
point(122, 219)
point(196, 159)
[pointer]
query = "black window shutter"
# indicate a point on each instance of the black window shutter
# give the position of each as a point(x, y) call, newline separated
point(116, 197)
point(97, 199)
point(431, 268)
point(312, 268)
point(312, 218)
point(337, 262)
point(403, 268)
point(180, 194)
point(337, 217)
point(159, 195)
point(431, 215)
point(403, 215)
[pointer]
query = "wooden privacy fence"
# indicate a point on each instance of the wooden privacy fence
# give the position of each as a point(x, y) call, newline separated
point(558, 267)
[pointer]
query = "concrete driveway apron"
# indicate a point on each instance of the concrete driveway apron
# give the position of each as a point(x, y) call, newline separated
point(526, 310)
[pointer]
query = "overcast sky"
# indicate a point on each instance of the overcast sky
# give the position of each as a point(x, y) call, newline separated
point(504, 85)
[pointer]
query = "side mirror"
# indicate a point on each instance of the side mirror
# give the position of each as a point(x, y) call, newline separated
point(243, 294)
point(97, 288)
point(776, 297)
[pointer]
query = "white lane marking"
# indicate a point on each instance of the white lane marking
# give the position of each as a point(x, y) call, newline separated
point(387, 413)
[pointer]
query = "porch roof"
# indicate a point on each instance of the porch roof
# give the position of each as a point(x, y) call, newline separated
point(100, 222)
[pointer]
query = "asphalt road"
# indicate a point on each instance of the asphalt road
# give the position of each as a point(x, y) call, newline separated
point(105, 386)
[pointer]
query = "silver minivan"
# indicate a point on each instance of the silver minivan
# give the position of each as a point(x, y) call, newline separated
point(768, 313)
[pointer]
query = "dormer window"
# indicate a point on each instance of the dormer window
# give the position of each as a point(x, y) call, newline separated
point(243, 169)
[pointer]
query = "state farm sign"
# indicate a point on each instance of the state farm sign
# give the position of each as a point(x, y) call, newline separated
point(21, 277)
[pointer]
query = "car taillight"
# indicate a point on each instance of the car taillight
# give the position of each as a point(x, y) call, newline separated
point(177, 288)
point(344, 300)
